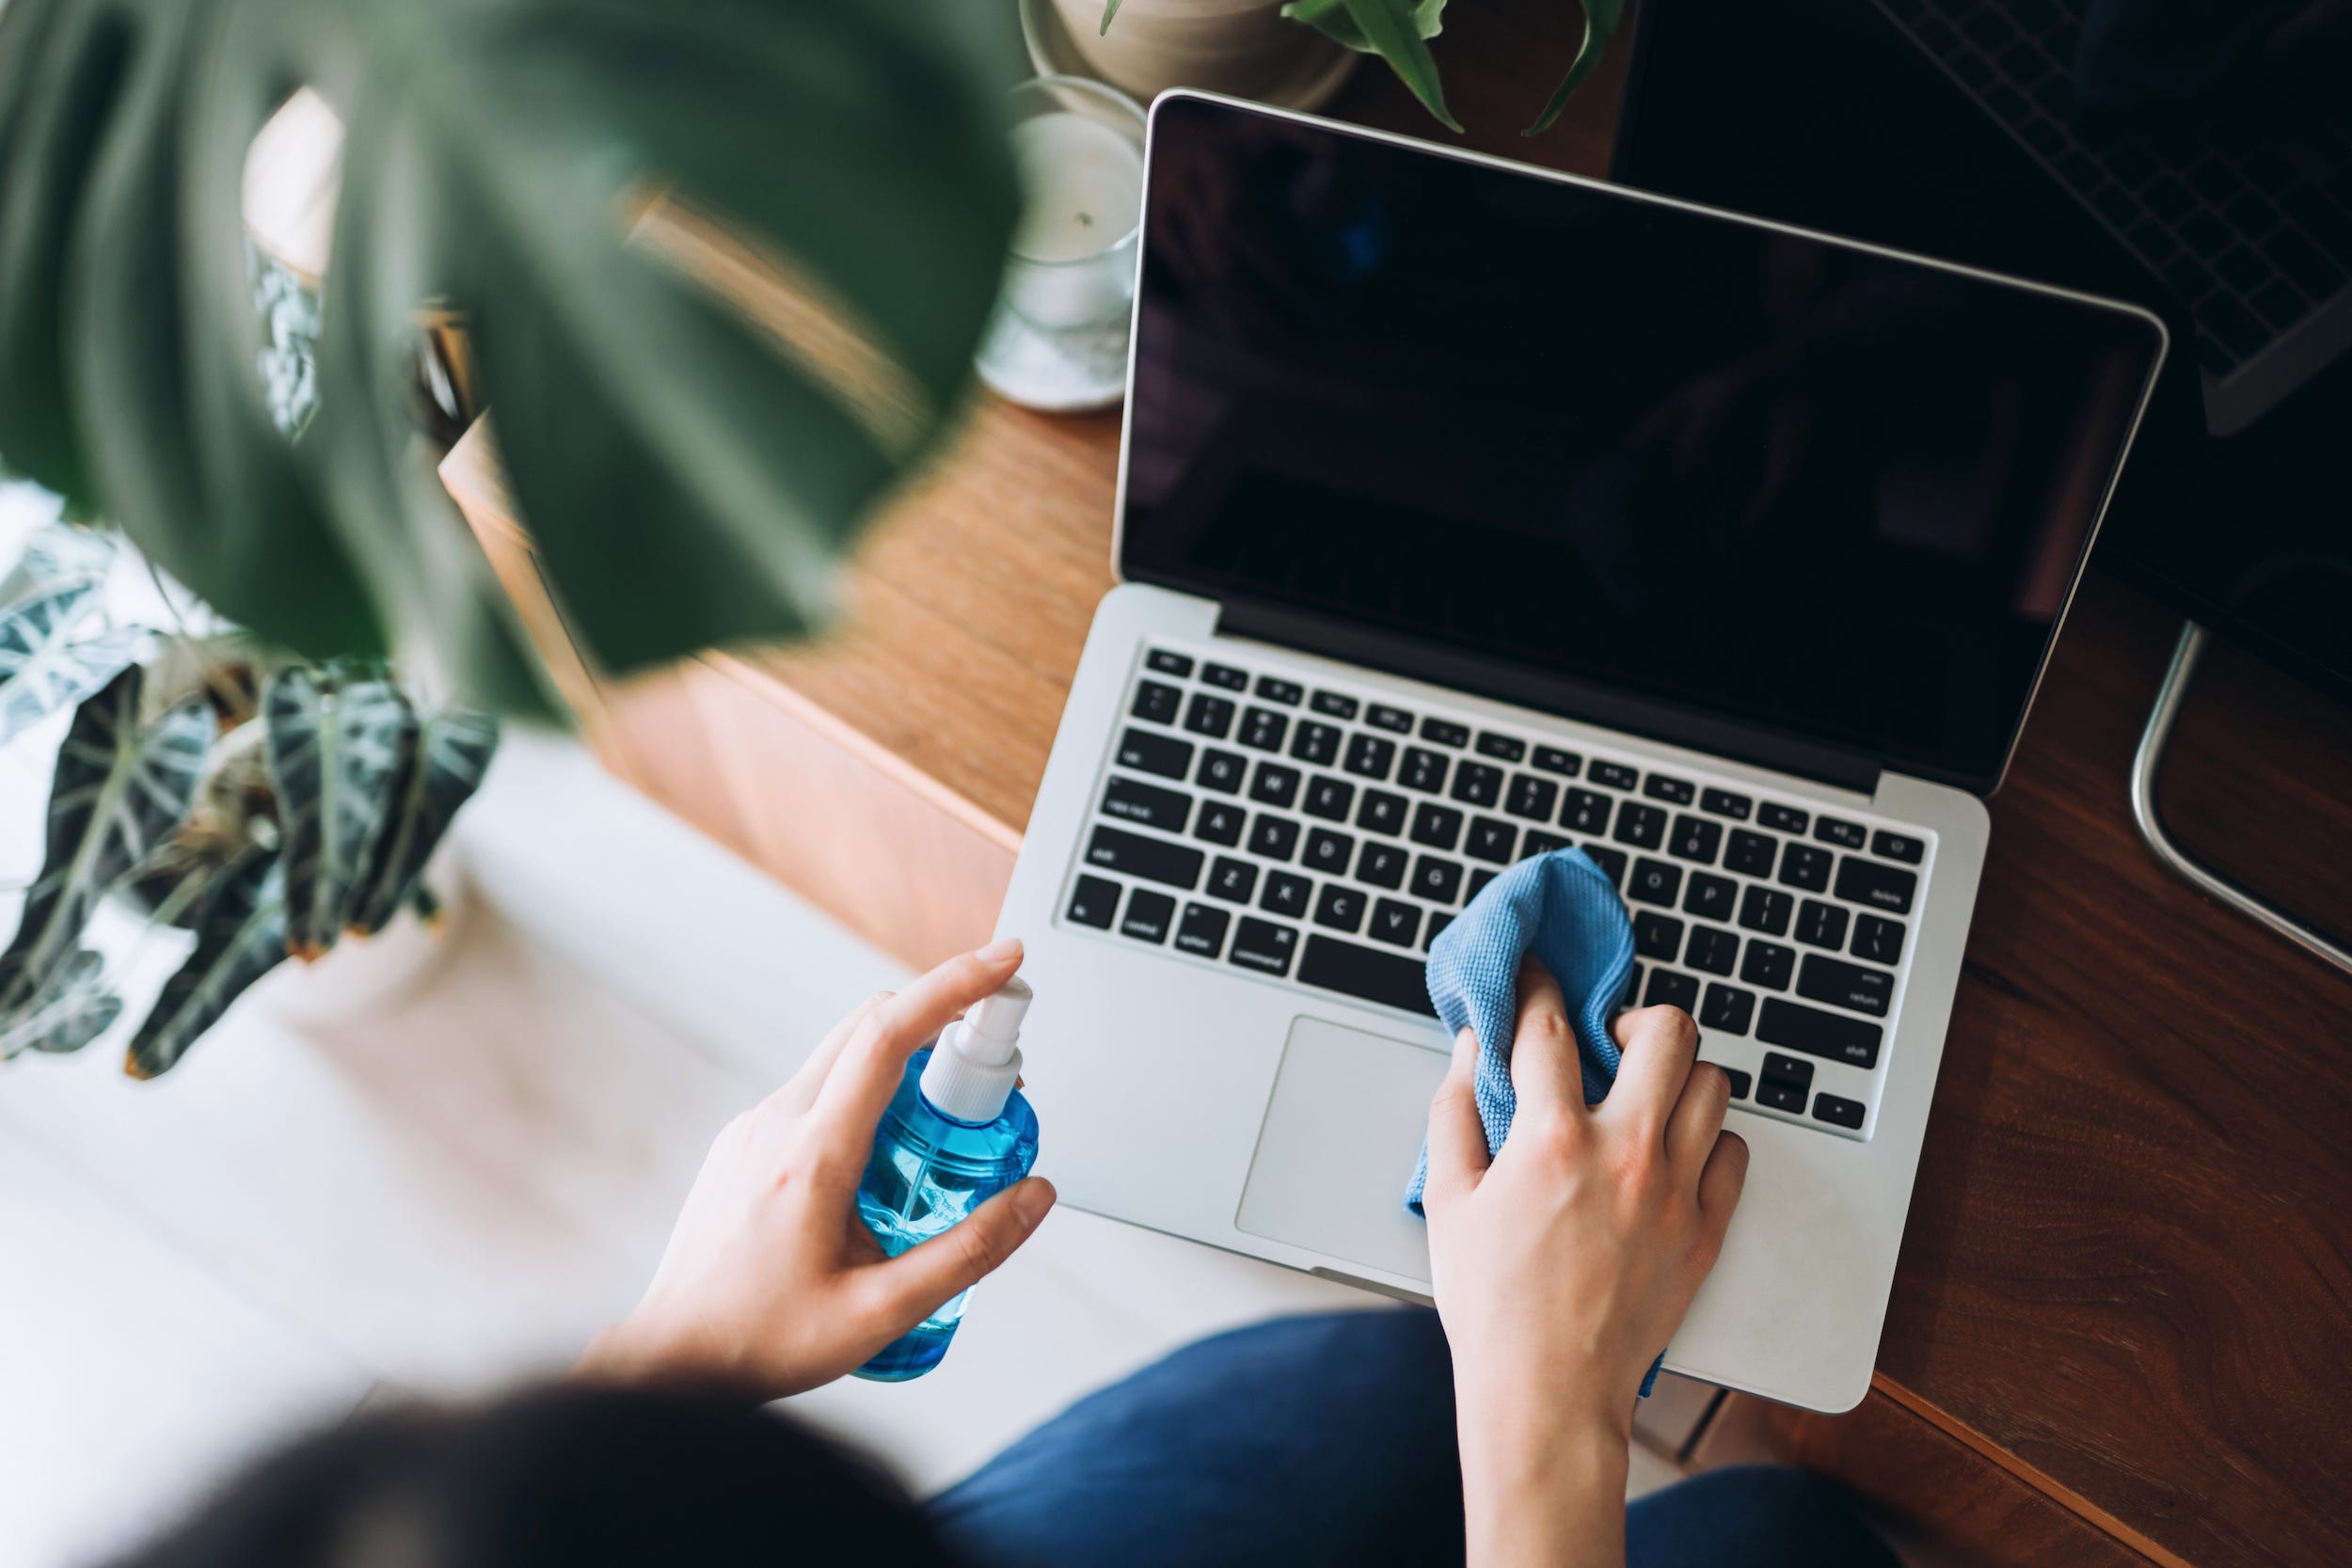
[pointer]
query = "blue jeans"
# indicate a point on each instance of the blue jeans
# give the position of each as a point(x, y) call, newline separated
point(1326, 1440)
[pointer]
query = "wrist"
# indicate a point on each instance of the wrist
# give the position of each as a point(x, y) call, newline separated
point(1547, 1493)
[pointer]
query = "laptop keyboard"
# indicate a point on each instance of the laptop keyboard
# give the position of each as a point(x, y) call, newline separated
point(1323, 836)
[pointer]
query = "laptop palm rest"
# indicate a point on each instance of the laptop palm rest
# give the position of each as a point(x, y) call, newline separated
point(1341, 1133)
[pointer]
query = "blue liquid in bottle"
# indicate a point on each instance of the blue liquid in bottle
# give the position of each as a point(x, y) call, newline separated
point(956, 1135)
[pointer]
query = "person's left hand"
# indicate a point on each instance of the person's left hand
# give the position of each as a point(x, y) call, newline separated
point(772, 1282)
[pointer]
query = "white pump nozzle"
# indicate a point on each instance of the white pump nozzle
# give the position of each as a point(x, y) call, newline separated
point(971, 1069)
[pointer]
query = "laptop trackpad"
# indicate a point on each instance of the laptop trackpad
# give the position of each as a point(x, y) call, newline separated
point(1341, 1136)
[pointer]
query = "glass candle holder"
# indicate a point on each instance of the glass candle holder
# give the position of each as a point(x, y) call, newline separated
point(1058, 339)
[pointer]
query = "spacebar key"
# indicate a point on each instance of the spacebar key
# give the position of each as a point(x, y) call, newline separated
point(1366, 973)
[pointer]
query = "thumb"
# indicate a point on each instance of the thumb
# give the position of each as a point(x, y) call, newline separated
point(922, 1279)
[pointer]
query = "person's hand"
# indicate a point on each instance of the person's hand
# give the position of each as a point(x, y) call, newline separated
point(1563, 1265)
point(772, 1282)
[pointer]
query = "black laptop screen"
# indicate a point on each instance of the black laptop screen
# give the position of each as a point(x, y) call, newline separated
point(1826, 493)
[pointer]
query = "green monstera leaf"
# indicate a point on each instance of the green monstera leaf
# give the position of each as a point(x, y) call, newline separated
point(240, 937)
point(74, 1009)
point(689, 476)
point(439, 774)
point(336, 745)
point(121, 791)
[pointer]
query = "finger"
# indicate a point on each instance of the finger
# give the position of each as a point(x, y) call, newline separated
point(1725, 1176)
point(1659, 1045)
point(1697, 1117)
point(1544, 1066)
point(1458, 1137)
point(867, 1072)
point(800, 1090)
point(920, 1280)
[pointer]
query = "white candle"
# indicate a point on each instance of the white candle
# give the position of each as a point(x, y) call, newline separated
point(1082, 181)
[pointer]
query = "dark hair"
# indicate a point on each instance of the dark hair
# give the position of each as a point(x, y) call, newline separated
point(565, 1476)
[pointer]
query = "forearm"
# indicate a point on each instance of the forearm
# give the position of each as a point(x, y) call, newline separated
point(1539, 1490)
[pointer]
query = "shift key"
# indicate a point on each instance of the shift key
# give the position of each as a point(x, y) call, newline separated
point(1155, 860)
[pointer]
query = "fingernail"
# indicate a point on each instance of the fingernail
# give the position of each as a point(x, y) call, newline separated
point(1031, 1199)
point(999, 950)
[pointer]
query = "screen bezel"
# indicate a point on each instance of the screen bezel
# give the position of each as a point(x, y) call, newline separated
point(1686, 723)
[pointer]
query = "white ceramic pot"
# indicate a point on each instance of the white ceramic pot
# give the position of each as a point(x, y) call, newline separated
point(1242, 47)
point(366, 977)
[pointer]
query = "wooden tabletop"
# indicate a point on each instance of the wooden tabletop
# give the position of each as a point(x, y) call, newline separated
point(2127, 1277)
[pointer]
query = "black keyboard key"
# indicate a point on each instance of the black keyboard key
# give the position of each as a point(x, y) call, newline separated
point(1677, 792)
point(1275, 690)
point(1657, 936)
point(1222, 771)
point(1396, 720)
point(1740, 1081)
point(1340, 907)
point(1209, 716)
point(1221, 822)
point(1491, 840)
point(1551, 759)
point(1369, 756)
point(1167, 663)
point(1669, 990)
point(1695, 838)
point(1819, 1034)
point(1821, 925)
point(1711, 898)
point(1780, 1096)
point(1333, 706)
point(1437, 923)
point(1782, 819)
point(1274, 837)
point(1878, 941)
point(1147, 752)
point(1612, 861)
point(1328, 798)
point(1149, 916)
point(1504, 747)
point(1768, 965)
point(1586, 811)
point(1381, 812)
point(1839, 1113)
point(1788, 1070)
point(1133, 800)
point(1445, 732)
point(1898, 846)
point(1806, 866)
point(1274, 783)
point(1723, 802)
point(1644, 827)
point(1728, 1009)
point(1263, 945)
point(1202, 930)
point(1438, 827)
point(1285, 894)
point(1381, 866)
point(1424, 770)
point(1750, 854)
point(1616, 775)
point(1766, 910)
point(1785, 1083)
point(1226, 677)
point(1478, 878)
point(1262, 729)
point(1882, 887)
point(1391, 979)
point(1395, 922)
point(1478, 783)
point(1156, 700)
point(1094, 902)
point(1155, 860)
point(1712, 949)
point(1328, 852)
point(1654, 882)
point(1531, 797)
point(1232, 878)
point(1438, 880)
point(1316, 743)
point(1632, 997)
point(1837, 830)
point(1844, 984)
point(1537, 841)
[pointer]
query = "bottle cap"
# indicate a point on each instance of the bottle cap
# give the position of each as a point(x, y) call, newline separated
point(971, 1069)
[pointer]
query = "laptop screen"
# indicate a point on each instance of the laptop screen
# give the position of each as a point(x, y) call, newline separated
point(1762, 477)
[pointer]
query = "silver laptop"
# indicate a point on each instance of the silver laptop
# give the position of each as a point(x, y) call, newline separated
point(1468, 510)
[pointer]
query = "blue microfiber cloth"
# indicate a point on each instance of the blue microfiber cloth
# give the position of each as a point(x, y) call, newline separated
point(1562, 909)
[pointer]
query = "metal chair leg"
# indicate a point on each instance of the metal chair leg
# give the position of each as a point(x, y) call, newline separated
point(2145, 766)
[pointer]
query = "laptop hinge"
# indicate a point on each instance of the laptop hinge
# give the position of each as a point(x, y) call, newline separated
point(1334, 638)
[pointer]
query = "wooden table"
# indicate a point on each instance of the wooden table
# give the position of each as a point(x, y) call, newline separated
point(2121, 1328)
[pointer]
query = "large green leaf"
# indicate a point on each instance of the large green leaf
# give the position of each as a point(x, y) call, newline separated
point(334, 747)
point(1330, 17)
point(240, 937)
point(74, 1009)
point(1392, 29)
point(47, 664)
point(440, 773)
point(688, 478)
point(1600, 25)
point(120, 792)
